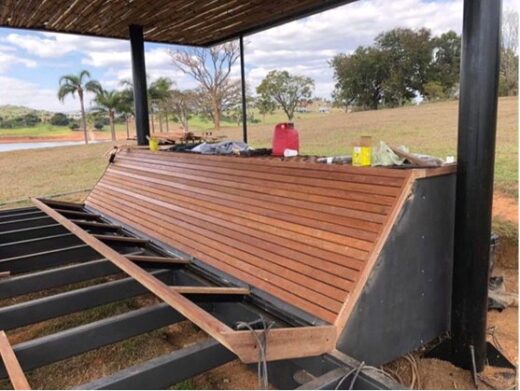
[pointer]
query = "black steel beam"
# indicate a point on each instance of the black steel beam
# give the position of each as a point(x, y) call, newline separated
point(26, 223)
point(48, 349)
point(31, 246)
point(164, 371)
point(139, 81)
point(243, 85)
point(53, 278)
point(474, 194)
point(21, 215)
point(5, 212)
point(45, 259)
point(31, 233)
point(50, 307)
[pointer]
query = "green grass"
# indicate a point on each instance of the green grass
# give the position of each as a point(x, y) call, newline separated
point(41, 130)
point(430, 128)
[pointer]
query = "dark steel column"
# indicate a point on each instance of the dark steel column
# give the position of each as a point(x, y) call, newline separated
point(139, 80)
point(476, 158)
point(244, 97)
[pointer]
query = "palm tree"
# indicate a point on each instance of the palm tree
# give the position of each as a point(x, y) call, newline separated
point(126, 106)
point(159, 92)
point(108, 102)
point(77, 84)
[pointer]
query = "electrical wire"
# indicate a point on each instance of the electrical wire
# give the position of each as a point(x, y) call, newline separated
point(261, 341)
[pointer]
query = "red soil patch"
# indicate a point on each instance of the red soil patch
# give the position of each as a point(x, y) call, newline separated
point(505, 207)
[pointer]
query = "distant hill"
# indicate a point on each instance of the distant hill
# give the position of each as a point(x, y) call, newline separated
point(9, 111)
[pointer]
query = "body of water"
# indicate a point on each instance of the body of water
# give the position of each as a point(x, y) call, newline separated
point(47, 144)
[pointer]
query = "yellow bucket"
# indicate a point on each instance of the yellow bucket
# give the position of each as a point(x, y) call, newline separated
point(153, 143)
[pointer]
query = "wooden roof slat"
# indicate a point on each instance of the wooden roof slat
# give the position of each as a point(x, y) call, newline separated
point(189, 22)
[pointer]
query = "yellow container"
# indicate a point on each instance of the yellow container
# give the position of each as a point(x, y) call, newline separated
point(153, 143)
point(362, 156)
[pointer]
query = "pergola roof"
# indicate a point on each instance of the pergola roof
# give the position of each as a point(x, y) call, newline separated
point(185, 22)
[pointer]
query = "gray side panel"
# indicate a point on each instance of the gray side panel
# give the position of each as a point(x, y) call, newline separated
point(406, 301)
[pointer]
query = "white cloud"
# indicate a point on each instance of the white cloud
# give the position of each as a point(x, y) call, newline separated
point(32, 95)
point(52, 45)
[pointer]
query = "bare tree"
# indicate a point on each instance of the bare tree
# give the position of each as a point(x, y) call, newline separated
point(211, 68)
point(509, 53)
point(182, 104)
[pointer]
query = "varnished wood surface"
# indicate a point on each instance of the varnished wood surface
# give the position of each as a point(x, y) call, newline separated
point(302, 232)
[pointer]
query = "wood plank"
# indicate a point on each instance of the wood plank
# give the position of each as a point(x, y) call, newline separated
point(310, 170)
point(260, 258)
point(185, 244)
point(287, 247)
point(211, 290)
point(12, 366)
point(283, 342)
point(325, 241)
point(362, 225)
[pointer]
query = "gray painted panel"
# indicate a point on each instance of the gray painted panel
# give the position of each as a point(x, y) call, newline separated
point(406, 301)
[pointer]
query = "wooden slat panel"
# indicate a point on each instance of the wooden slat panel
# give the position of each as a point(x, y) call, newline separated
point(299, 231)
point(303, 286)
point(187, 245)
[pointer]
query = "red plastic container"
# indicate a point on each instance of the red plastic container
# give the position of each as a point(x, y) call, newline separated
point(285, 136)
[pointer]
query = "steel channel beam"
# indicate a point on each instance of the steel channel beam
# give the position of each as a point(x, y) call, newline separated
point(54, 278)
point(45, 259)
point(59, 346)
point(65, 275)
point(50, 307)
point(17, 210)
point(26, 223)
point(31, 246)
point(164, 371)
point(31, 233)
point(21, 215)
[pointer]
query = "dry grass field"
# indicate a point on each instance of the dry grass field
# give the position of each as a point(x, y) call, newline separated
point(428, 129)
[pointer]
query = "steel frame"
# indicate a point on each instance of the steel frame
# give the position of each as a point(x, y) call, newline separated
point(43, 256)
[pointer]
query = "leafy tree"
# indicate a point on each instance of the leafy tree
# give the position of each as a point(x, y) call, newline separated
point(509, 54)
point(445, 65)
point(265, 106)
point(78, 85)
point(59, 119)
point(434, 90)
point(126, 107)
point(98, 125)
point(286, 90)
point(360, 78)
point(211, 68)
point(108, 102)
point(31, 119)
point(407, 55)
point(158, 93)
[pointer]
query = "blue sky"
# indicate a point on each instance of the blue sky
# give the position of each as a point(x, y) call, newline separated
point(31, 63)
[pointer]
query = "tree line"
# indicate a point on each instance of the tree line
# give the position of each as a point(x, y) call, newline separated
point(403, 64)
